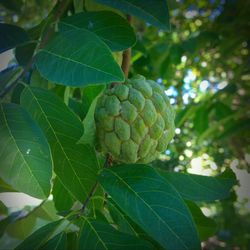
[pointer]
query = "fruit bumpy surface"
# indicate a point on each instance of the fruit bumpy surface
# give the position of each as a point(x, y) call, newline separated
point(134, 121)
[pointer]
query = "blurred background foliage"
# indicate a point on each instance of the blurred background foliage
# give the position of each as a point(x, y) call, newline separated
point(204, 65)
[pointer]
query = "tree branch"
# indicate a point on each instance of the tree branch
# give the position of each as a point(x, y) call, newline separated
point(62, 6)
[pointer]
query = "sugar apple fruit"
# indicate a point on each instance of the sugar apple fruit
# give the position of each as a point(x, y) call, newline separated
point(134, 121)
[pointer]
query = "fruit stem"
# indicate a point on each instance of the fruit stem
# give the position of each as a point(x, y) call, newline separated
point(126, 55)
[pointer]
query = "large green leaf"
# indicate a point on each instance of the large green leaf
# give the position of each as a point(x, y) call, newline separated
point(152, 11)
point(114, 30)
point(25, 155)
point(59, 242)
point(152, 203)
point(206, 226)
point(99, 235)
point(39, 237)
point(75, 165)
point(61, 197)
point(201, 188)
point(11, 36)
point(78, 57)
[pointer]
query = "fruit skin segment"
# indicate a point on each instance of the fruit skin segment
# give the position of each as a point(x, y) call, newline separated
point(134, 121)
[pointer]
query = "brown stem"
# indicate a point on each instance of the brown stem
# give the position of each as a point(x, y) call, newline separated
point(126, 55)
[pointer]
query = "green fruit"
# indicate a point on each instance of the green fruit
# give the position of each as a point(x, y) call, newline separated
point(134, 121)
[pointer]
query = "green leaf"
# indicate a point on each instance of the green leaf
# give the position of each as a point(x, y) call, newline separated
point(120, 219)
point(114, 30)
point(24, 53)
point(59, 242)
point(77, 107)
point(206, 226)
point(39, 237)
point(3, 209)
point(72, 240)
point(4, 223)
point(201, 119)
point(96, 234)
point(46, 211)
point(11, 36)
point(9, 75)
point(75, 165)
point(154, 12)
point(201, 188)
point(152, 203)
point(78, 57)
point(61, 197)
point(22, 227)
point(25, 156)
point(89, 120)
point(4, 187)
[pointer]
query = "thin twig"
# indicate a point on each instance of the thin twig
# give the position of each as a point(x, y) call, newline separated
point(86, 202)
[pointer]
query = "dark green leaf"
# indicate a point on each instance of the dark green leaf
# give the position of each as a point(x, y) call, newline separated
point(25, 156)
point(75, 165)
point(77, 107)
point(15, 97)
point(90, 95)
point(154, 12)
point(59, 242)
point(114, 30)
point(39, 237)
point(120, 219)
point(99, 235)
point(14, 5)
point(78, 57)
point(206, 226)
point(24, 53)
point(11, 36)
point(9, 75)
point(62, 198)
point(201, 119)
point(72, 240)
point(201, 188)
point(152, 203)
